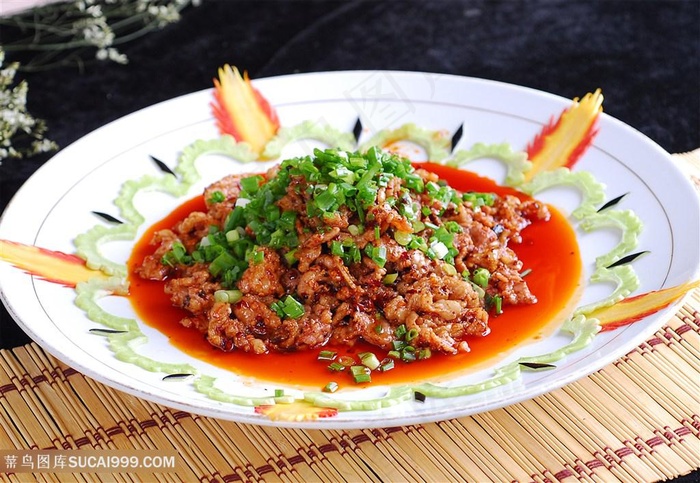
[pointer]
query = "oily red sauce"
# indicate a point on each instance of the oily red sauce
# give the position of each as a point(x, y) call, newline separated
point(548, 248)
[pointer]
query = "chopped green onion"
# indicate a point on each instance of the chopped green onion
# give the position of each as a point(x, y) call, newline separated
point(390, 278)
point(395, 354)
point(403, 238)
point(361, 374)
point(330, 387)
point(232, 236)
point(400, 331)
point(279, 392)
point(336, 367)
point(494, 302)
point(424, 353)
point(481, 277)
point(228, 296)
point(288, 307)
point(217, 197)
point(449, 269)
point(411, 334)
point(387, 364)
point(258, 257)
point(398, 345)
point(369, 359)
point(326, 355)
point(251, 184)
point(408, 355)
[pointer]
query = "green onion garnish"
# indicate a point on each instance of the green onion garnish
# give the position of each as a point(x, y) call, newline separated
point(326, 355)
point(288, 307)
point(217, 197)
point(369, 359)
point(481, 277)
point(228, 296)
point(390, 278)
point(361, 374)
point(387, 364)
point(330, 387)
point(336, 367)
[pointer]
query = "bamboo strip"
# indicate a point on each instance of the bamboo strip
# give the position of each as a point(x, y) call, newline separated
point(528, 449)
point(337, 439)
point(407, 456)
point(423, 440)
point(381, 465)
point(556, 405)
point(681, 357)
point(301, 442)
point(192, 433)
point(285, 451)
point(15, 403)
point(228, 436)
point(544, 427)
point(640, 369)
point(65, 425)
point(372, 441)
point(608, 444)
point(468, 467)
point(153, 430)
point(686, 394)
point(349, 467)
point(666, 359)
point(626, 428)
point(646, 410)
point(198, 449)
point(64, 392)
point(123, 431)
point(494, 458)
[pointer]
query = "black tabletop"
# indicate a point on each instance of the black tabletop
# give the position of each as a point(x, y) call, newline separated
point(645, 55)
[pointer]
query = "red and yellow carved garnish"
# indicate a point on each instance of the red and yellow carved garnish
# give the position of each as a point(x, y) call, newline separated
point(562, 142)
point(297, 411)
point(241, 111)
point(635, 308)
point(53, 266)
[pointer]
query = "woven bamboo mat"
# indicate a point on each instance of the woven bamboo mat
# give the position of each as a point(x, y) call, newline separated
point(635, 420)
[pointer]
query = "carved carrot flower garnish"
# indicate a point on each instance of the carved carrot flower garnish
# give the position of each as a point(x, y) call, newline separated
point(53, 266)
point(297, 411)
point(241, 111)
point(562, 142)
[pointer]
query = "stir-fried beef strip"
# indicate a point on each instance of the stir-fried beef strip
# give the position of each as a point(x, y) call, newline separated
point(392, 246)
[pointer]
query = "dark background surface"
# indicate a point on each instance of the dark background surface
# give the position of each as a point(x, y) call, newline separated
point(645, 55)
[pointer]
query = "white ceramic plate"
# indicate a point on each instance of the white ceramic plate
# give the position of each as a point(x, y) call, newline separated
point(55, 205)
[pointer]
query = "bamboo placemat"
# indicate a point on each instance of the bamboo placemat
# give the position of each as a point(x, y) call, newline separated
point(635, 420)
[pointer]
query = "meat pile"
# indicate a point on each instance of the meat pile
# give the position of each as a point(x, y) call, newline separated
point(418, 255)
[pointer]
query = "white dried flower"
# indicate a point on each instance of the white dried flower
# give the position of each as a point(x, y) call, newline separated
point(111, 54)
point(20, 133)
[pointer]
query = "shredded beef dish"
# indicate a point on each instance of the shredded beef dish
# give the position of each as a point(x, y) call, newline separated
point(340, 247)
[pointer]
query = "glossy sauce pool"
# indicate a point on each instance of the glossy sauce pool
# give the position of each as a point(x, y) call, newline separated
point(549, 249)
